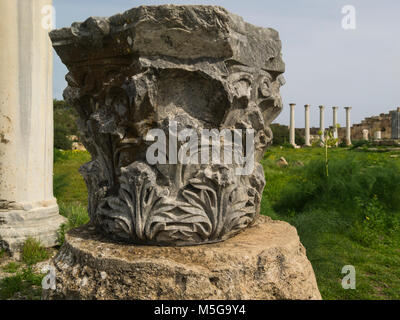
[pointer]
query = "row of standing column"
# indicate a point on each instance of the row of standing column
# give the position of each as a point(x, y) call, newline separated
point(322, 124)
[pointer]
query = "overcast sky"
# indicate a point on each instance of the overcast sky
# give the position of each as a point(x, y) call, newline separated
point(325, 64)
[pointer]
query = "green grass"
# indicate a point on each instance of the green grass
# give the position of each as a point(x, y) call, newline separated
point(77, 216)
point(352, 218)
point(69, 186)
point(11, 267)
point(33, 252)
point(25, 282)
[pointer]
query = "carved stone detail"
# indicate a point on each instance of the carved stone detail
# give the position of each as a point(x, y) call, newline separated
point(199, 66)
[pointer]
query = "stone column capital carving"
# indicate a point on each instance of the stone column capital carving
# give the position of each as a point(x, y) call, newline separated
point(199, 67)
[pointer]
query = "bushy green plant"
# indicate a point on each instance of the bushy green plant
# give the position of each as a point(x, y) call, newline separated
point(61, 140)
point(33, 252)
point(359, 143)
point(281, 135)
point(287, 145)
point(25, 282)
point(11, 267)
point(376, 226)
point(77, 216)
point(349, 178)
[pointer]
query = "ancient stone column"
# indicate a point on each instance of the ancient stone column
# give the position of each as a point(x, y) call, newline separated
point(322, 122)
point(365, 133)
point(307, 125)
point(348, 126)
point(27, 205)
point(335, 122)
point(395, 119)
point(378, 135)
point(292, 128)
point(149, 79)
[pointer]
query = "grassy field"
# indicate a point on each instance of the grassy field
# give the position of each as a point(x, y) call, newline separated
point(351, 217)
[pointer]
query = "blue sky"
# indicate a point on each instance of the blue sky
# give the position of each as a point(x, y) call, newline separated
point(325, 64)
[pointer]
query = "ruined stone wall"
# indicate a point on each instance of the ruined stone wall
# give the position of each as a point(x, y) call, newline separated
point(382, 123)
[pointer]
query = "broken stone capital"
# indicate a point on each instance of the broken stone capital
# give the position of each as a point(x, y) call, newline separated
point(177, 69)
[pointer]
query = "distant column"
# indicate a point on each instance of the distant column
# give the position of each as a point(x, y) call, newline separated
point(348, 126)
point(335, 124)
point(378, 135)
point(322, 122)
point(365, 133)
point(292, 140)
point(307, 125)
point(395, 118)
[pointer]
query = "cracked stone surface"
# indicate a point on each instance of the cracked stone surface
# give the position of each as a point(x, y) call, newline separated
point(266, 261)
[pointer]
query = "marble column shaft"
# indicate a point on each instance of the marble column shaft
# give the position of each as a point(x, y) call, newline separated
point(292, 137)
point(26, 126)
point(322, 122)
point(348, 126)
point(307, 125)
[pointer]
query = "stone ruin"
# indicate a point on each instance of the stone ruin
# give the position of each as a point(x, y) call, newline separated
point(201, 68)
point(198, 66)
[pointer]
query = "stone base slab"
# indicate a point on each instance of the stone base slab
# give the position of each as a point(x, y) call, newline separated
point(40, 223)
point(266, 261)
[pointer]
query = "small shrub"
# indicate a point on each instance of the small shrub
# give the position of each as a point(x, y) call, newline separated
point(75, 213)
point(281, 135)
point(33, 252)
point(375, 226)
point(359, 143)
point(25, 282)
point(287, 145)
point(77, 216)
point(61, 140)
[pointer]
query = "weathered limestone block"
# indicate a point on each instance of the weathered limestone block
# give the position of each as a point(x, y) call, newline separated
point(266, 261)
point(199, 67)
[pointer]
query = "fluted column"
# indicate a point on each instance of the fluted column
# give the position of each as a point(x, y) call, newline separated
point(27, 205)
point(335, 124)
point(348, 126)
point(307, 125)
point(292, 139)
point(322, 122)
